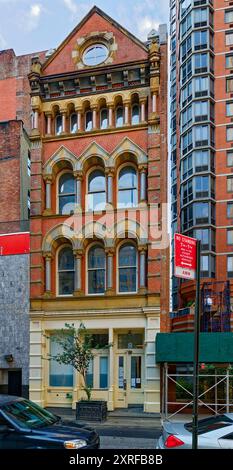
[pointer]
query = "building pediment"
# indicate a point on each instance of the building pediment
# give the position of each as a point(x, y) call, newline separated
point(121, 46)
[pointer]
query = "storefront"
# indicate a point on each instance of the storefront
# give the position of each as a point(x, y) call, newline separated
point(124, 374)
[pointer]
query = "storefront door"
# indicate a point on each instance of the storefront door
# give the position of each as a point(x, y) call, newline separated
point(128, 379)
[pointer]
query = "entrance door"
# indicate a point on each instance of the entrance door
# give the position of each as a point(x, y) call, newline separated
point(15, 382)
point(129, 388)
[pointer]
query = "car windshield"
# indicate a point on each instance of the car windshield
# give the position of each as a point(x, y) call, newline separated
point(28, 415)
point(210, 424)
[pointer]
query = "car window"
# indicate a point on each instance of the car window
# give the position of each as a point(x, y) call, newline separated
point(210, 424)
point(3, 421)
point(228, 436)
point(27, 414)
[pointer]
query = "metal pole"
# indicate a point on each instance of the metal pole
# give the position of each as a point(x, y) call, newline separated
point(196, 353)
point(228, 391)
point(166, 390)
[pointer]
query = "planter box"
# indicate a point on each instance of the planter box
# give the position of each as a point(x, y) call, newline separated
point(93, 410)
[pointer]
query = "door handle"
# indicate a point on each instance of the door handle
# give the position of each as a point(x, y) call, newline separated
point(125, 384)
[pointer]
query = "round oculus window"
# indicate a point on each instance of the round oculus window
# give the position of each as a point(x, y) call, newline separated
point(95, 55)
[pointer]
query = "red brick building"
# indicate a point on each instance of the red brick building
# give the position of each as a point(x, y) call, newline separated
point(15, 126)
point(99, 160)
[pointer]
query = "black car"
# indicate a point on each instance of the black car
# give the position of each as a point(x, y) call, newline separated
point(25, 425)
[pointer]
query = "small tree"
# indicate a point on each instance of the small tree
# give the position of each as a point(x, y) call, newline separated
point(77, 350)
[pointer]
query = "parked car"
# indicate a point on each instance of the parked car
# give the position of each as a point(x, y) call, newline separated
point(25, 425)
point(213, 433)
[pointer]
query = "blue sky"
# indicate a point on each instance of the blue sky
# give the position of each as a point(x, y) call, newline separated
point(31, 25)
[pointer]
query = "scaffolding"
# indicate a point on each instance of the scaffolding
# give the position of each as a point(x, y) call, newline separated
point(216, 308)
point(215, 392)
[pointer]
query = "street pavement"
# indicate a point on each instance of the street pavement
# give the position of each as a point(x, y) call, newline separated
point(128, 437)
point(123, 432)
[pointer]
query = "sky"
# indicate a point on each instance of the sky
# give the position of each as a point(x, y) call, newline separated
point(32, 26)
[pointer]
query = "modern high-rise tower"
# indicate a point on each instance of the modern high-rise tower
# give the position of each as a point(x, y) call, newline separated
point(201, 126)
point(202, 139)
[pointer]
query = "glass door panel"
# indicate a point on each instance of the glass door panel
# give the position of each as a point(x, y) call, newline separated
point(136, 376)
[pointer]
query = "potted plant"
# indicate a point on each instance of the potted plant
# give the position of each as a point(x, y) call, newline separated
point(77, 350)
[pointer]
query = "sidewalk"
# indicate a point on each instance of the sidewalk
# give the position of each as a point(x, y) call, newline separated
point(120, 418)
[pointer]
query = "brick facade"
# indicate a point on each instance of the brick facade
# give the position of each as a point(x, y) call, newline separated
point(133, 71)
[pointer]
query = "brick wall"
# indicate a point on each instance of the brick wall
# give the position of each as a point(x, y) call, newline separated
point(10, 171)
point(14, 86)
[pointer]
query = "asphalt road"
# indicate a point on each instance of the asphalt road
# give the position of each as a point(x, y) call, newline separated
point(128, 437)
point(111, 442)
point(132, 432)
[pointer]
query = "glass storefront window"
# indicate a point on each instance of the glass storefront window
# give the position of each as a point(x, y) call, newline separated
point(130, 341)
point(103, 379)
point(212, 385)
point(60, 375)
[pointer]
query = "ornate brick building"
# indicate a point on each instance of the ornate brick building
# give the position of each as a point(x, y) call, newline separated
point(99, 162)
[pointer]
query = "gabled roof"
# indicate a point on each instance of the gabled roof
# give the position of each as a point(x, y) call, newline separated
point(100, 12)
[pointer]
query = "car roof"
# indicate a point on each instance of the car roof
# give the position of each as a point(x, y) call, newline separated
point(8, 399)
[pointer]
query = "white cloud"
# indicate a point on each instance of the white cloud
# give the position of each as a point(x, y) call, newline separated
point(33, 17)
point(146, 24)
point(35, 10)
point(3, 42)
point(146, 17)
point(71, 5)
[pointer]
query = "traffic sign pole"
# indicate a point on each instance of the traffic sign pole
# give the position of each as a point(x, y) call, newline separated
point(196, 352)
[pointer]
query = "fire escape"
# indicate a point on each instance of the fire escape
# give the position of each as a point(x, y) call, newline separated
point(215, 307)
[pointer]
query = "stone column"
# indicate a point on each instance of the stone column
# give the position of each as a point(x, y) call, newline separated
point(79, 176)
point(142, 172)
point(78, 110)
point(63, 113)
point(143, 109)
point(110, 115)
point(126, 113)
point(78, 272)
point(154, 103)
point(111, 370)
point(109, 174)
point(48, 182)
point(49, 122)
point(109, 253)
point(94, 116)
point(142, 268)
point(48, 259)
point(36, 119)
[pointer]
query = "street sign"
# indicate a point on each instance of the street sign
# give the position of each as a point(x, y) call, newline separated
point(185, 257)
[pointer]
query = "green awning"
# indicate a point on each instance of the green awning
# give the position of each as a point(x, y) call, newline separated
point(178, 347)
